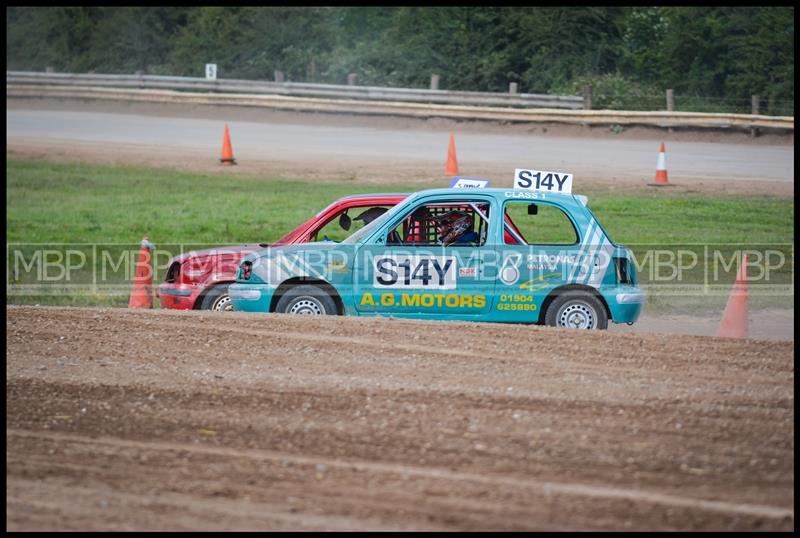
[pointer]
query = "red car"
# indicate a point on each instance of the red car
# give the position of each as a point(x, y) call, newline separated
point(198, 280)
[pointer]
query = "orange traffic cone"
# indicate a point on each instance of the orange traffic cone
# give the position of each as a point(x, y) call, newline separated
point(451, 168)
point(227, 151)
point(661, 168)
point(734, 320)
point(142, 293)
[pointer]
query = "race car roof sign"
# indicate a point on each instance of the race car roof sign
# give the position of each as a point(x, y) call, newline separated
point(468, 183)
point(543, 181)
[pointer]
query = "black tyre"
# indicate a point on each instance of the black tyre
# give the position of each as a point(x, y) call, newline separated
point(217, 298)
point(306, 300)
point(577, 310)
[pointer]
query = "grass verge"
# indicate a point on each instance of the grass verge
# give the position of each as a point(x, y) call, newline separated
point(82, 204)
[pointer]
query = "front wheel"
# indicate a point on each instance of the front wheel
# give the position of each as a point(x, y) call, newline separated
point(217, 299)
point(576, 310)
point(306, 300)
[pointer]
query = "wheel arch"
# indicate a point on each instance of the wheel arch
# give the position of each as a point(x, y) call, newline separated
point(571, 287)
point(296, 281)
point(198, 302)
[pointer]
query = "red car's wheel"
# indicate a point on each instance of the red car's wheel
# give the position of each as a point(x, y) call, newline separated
point(217, 299)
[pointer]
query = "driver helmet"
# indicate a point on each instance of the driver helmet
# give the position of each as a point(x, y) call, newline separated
point(453, 225)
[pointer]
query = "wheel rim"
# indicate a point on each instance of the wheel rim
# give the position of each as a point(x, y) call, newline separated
point(577, 315)
point(223, 304)
point(306, 306)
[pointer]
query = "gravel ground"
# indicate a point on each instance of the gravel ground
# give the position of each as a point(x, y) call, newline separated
point(124, 419)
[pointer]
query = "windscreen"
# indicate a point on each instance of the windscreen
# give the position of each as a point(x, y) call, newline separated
point(374, 225)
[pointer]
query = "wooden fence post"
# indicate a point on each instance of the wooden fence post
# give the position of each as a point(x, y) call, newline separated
point(670, 104)
point(587, 97)
point(754, 101)
point(434, 82)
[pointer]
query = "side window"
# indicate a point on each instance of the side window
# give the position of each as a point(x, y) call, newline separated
point(443, 224)
point(347, 222)
point(539, 224)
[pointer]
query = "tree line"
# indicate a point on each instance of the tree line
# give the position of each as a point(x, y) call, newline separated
point(727, 53)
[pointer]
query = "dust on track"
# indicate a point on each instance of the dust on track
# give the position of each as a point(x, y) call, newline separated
point(164, 420)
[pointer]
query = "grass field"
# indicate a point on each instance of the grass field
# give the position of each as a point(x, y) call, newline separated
point(84, 204)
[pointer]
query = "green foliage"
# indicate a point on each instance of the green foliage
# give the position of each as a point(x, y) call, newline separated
point(762, 54)
point(561, 44)
point(714, 52)
point(211, 35)
point(130, 39)
point(57, 36)
point(642, 39)
point(614, 91)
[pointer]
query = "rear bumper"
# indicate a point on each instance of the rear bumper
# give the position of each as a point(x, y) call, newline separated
point(630, 297)
point(626, 303)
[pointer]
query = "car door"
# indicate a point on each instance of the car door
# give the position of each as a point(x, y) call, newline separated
point(537, 254)
point(409, 271)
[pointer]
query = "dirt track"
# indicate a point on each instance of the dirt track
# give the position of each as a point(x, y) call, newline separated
point(367, 149)
point(287, 423)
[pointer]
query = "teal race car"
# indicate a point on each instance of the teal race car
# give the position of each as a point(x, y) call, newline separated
point(511, 255)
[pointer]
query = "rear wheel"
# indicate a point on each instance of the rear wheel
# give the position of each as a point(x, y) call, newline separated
point(576, 310)
point(306, 300)
point(217, 298)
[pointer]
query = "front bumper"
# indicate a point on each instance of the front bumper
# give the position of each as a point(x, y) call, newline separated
point(177, 296)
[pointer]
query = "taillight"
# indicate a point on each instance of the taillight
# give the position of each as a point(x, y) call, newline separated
point(623, 275)
point(247, 268)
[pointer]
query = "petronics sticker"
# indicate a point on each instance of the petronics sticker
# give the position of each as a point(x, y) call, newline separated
point(414, 272)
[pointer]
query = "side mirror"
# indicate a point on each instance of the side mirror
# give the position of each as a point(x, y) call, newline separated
point(533, 209)
point(344, 221)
